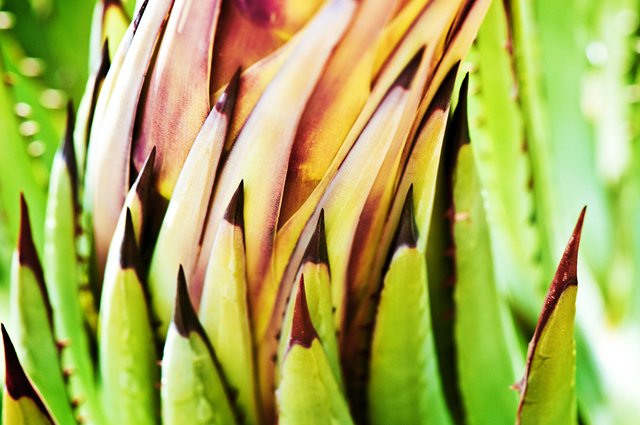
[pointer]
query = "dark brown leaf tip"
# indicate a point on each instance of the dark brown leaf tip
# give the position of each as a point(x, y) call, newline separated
point(144, 180)
point(459, 129)
point(227, 101)
point(407, 234)
point(27, 254)
point(184, 315)
point(442, 98)
point(406, 76)
point(136, 21)
point(18, 384)
point(129, 252)
point(316, 252)
point(302, 330)
point(235, 211)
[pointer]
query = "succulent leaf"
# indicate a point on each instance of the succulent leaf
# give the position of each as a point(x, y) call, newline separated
point(181, 230)
point(113, 139)
point(484, 332)
point(176, 104)
point(21, 404)
point(61, 276)
point(306, 366)
point(193, 390)
point(547, 390)
point(224, 310)
point(404, 384)
point(32, 316)
point(128, 363)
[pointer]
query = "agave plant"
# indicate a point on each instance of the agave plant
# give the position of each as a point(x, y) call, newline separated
point(300, 212)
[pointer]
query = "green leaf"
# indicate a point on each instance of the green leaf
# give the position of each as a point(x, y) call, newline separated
point(128, 364)
point(308, 392)
point(315, 274)
point(193, 389)
point(547, 390)
point(21, 403)
point(224, 309)
point(31, 316)
point(61, 276)
point(404, 382)
point(483, 324)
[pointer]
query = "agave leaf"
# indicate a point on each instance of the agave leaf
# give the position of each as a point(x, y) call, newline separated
point(181, 229)
point(86, 111)
point(250, 30)
point(128, 364)
point(366, 268)
point(343, 200)
point(503, 164)
point(547, 390)
point(193, 389)
point(32, 317)
point(110, 23)
point(260, 154)
point(306, 366)
point(61, 275)
point(404, 384)
point(315, 275)
point(483, 327)
point(94, 152)
point(176, 104)
point(21, 404)
point(338, 98)
point(111, 181)
point(224, 310)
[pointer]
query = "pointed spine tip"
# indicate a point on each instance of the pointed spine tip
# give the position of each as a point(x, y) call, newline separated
point(184, 315)
point(407, 234)
point(442, 98)
point(302, 330)
point(145, 178)
point(17, 383)
point(409, 72)
point(105, 63)
point(234, 214)
point(567, 273)
point(316, 252)
point(227, 101)
point(129, 252)
point(136, 21)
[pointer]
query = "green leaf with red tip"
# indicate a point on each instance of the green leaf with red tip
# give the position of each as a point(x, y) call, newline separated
point(547, 390)
point(193, 388)
point(224, 309)
point(306, 366)
point(487, 350)
point(315, 274)
point(32, 317)
point(63, 280)
point(404, 384)
point(21, 404)
point(181, 229)
point(128, 364)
